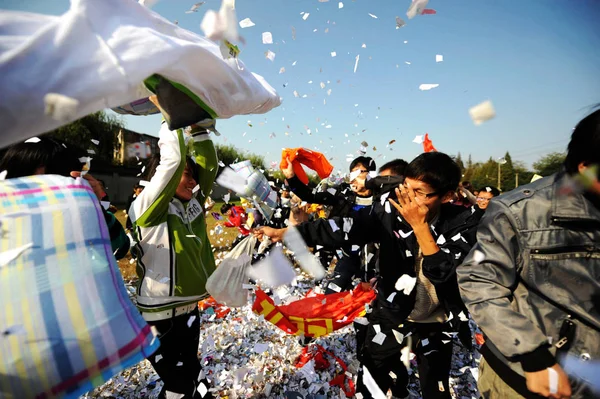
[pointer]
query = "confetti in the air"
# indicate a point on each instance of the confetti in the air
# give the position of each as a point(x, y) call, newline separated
point(428, 86)
point(246, 23)
point(482, 112)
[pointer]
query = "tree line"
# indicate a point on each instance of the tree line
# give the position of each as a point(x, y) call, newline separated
point(104, 128)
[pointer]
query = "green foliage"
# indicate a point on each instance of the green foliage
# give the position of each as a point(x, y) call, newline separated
point(228, 154)
point(550, 163)
point(97, 126)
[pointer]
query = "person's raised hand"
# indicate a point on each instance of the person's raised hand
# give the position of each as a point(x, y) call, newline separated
point(95, 184)
point(288, 171)
point(276, 235)
point(410, 207)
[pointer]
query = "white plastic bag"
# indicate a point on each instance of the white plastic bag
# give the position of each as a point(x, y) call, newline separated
point(225, 284)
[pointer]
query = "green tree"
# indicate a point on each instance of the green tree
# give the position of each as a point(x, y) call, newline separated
point(525, 174)
point(229, 154)
point(97, 126)
point(460, 163)
point(550, 163)
point(507, 179)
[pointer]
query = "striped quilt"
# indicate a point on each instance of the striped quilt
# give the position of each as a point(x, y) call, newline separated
point(66, 322)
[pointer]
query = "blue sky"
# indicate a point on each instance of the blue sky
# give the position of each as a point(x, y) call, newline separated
point(536, 60)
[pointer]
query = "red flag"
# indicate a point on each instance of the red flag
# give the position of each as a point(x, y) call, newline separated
point(312, 159)
point(315, 316)
point(428, 144)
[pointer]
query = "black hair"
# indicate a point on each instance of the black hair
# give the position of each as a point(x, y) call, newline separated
point(367, 162)
point(155, 161)
point(493, 190)
point(396, 166)
point(436, 169)
point(225, 208)
point(585, 143)
point(24, 159)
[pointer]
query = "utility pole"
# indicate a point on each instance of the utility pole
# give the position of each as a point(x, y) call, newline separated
point(501, 161)
point(499, 175)
point(516, 180)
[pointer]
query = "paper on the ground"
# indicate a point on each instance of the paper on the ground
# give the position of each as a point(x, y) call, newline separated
point(340, 5)
point(428, 86)
point(482, 112)
point(8, 256)
point(246, 23)
point(439, 58)
point(371, 385)
point(231, 180)
point(270, 55)
point(406, 284)
point(267, 38)
point(260, 347)
point(416, 8)
point(307, 261)
point(356, 63)
point(140, 44)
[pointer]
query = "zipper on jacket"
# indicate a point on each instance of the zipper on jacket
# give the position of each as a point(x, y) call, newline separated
point(191, 232)
point(576, 251)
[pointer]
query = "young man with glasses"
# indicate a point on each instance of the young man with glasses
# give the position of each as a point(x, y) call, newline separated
point(422, 240)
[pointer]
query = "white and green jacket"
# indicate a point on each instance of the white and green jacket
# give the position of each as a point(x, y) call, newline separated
point(174, 254)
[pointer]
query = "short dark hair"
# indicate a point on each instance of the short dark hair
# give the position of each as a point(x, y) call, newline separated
point(155, 161)
point(367, 162)
point(53, 155)
point(495, 192)
point(226, 207)
point(436, 169)
point(397, 166)
point(585, 143)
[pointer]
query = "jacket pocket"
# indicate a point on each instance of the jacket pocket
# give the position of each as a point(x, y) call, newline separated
point(567, 276)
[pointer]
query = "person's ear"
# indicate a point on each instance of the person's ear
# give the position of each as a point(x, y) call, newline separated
point(582, 167)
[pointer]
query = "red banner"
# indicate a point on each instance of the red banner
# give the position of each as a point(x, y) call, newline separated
point(315, 316)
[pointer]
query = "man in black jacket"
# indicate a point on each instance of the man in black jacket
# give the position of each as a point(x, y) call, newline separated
point(422, 241)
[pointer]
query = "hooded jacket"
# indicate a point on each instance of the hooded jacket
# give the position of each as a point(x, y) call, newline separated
point(536, 265)
point(175, 257)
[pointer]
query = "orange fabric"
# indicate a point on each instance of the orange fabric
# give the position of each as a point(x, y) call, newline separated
point(312, 159)
point(428, 144)
point(310, 316)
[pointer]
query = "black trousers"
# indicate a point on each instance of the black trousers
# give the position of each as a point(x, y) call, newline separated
point(431, 346)
point(176, 360)
point(346, 269)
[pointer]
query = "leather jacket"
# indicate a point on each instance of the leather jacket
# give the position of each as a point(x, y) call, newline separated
point(536, 268)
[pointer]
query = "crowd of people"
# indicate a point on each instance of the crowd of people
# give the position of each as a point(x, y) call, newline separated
point(524, 264)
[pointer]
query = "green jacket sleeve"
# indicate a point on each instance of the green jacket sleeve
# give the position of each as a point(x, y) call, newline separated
point(206, 158)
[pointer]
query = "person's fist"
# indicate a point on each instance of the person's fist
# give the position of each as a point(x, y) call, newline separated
point(288, 171)
point(542, 383)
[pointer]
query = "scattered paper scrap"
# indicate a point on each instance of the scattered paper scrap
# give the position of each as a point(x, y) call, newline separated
point(428, 86)
point(267, 38)
point(246, 23)
point(482, 112)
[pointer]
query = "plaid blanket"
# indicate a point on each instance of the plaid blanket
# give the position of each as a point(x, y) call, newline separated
point(66, 322)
